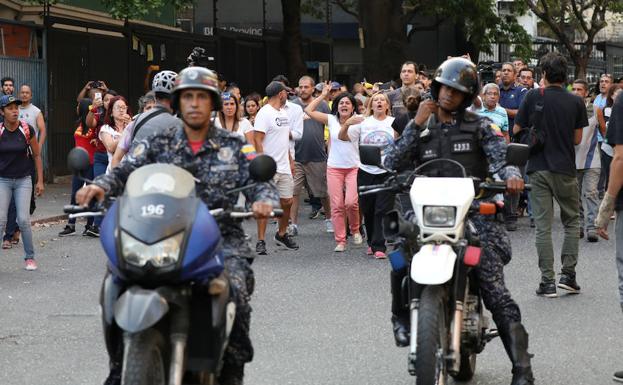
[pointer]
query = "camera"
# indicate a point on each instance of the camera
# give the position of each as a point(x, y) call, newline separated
point(96, 84)
point(426, 96)
point(199, 58)
point(486, 72)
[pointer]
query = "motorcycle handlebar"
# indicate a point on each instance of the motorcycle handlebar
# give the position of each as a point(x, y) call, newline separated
point(371, 187)
point(276, 213)
point(376, 190)
point(499, 186)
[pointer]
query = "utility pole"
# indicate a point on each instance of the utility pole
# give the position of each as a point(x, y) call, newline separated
point(214, 18)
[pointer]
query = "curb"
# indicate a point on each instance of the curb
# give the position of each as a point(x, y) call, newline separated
point(48, 219)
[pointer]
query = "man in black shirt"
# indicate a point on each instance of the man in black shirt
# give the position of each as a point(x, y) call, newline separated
point(552, 170)
point(613, 198)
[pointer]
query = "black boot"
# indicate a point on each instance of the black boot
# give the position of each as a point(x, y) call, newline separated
point(400, 314)
point(114, 376)
point(515, 340)
point(231, 375)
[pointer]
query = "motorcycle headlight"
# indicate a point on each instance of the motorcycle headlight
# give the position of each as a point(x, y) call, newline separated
point(439, 216)
point(161, 254)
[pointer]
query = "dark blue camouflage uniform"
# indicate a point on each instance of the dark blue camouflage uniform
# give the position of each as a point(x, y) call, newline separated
point(493, 237)
point(220, 165)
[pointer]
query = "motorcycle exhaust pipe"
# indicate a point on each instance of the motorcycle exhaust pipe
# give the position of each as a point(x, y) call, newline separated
point(456, 338)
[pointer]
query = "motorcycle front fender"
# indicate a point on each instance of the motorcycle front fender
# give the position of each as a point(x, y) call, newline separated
point(138, 309)
point(433, 264)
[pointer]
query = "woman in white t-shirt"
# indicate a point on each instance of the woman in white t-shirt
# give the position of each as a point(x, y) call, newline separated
point(375, 130)
point(228, 118)
point(116, 120)
point(342, 166)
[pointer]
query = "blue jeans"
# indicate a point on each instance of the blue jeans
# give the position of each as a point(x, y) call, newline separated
point(587, 187)
point(11, 224)
point(100, 163)
point(76, 184)
point(20, 189)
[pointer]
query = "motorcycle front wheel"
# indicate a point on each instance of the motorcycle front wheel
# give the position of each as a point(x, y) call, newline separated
point(432, 338)
point(144, 360)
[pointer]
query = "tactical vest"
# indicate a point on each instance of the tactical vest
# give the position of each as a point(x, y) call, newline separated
point(460, 142)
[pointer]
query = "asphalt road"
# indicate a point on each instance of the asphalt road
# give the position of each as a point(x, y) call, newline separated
point(319, 317)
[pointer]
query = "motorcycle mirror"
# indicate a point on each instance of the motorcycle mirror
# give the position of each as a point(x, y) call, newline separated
point(517, 154)
point(262, 168)
point(370, 155)
point(78, 161)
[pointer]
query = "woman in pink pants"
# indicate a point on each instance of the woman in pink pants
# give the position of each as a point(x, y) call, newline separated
point(342, 165)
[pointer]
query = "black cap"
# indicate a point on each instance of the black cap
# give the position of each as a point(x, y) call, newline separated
point(275, 87)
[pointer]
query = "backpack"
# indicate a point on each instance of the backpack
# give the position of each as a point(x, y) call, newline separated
point(534, 136)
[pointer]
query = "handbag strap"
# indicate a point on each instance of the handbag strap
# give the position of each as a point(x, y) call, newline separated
point(538, 109)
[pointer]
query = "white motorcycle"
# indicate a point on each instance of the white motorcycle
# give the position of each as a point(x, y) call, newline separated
point(441, 247)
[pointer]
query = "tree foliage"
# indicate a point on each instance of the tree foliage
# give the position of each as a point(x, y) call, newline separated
point(131, 9)
point(565, 18)
point(478, 26)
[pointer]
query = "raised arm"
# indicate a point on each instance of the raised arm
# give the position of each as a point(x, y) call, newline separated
point(310, 110)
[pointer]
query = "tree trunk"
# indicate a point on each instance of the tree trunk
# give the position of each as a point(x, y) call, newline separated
point(291, 41)
point(463, 45)
point(385, 39)
point(581, 63)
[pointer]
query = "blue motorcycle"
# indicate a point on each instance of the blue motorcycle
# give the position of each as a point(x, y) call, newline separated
point(168, 293)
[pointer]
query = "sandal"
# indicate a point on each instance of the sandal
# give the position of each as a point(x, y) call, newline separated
point(16, 235)
point(6, 244)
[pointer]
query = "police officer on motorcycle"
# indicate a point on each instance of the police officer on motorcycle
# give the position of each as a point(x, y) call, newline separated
point(220, 162)
point(442, 128)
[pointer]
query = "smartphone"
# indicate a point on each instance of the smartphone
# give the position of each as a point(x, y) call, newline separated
point(98, 95)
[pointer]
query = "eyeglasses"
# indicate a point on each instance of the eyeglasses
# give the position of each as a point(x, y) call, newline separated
point(120, 108)
point(492, 93)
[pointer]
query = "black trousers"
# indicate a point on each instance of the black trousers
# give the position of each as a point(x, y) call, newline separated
point(374, 207)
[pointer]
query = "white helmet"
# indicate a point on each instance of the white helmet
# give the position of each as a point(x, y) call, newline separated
point(164, 81)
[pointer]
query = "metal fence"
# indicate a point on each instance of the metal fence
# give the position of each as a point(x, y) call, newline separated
point(599, 60)
point(32, 72)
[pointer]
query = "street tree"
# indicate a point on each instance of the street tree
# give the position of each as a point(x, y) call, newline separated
point(291, 39)
point(383, 28)
point(566, 17)
point(131, 9)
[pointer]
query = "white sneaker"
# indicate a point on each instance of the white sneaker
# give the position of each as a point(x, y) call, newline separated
point(329, 225)
point(293, 230)
point(357, 239)
point(339, 248)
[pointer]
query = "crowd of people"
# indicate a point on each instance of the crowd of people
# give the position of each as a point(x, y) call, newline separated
point(313, 131)
point(317, 150)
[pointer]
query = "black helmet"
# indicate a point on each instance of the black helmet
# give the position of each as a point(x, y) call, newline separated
point(196, 78)
point(460, 74)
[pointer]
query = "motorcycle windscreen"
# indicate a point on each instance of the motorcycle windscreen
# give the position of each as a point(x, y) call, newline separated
point(433, 264)
point(159, 202)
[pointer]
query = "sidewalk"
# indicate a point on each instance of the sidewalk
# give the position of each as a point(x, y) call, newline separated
point(50, 205)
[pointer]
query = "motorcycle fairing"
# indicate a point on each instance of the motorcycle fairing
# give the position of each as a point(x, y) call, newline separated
point(433, 264)
point(455, 192)
point(203, 257)
point(138, 309)
point(108, 237)
point(149, 229)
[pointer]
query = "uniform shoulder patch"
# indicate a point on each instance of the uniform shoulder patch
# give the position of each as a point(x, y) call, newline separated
point(138, 150)
point(248, 150)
